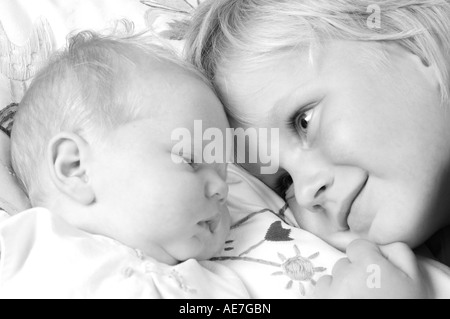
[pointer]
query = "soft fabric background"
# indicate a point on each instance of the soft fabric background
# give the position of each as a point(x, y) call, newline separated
point(31, 30)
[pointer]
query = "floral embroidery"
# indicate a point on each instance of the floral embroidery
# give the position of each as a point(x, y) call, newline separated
point(276, 233)
point(299, 269)
point(175, 275)
point(163, 270)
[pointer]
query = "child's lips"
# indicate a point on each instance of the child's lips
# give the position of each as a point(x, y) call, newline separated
point(351, 209)
point(356, 220)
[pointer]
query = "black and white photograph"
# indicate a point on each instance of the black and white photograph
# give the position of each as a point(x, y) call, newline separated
point(228, 154)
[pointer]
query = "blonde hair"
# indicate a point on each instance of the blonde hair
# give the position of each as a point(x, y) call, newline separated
point(86, 89)
point(223, 31)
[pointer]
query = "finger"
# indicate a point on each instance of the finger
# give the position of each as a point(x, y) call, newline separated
point(401, 256)
point(342, 266)
point(365, 252)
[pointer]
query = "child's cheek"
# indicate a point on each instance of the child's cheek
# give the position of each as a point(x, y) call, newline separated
point(349, 135)
point(338, 137)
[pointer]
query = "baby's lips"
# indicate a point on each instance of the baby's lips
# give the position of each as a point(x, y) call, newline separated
point(214, 223)
point(211, 224)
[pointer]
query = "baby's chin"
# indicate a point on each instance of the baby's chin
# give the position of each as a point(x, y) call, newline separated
point(213, 247)
point(207, 255)
point(188, 249)
point(206, 244)
point(199, 248)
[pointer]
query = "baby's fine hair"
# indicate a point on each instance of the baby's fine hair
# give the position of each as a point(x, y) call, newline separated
point(85, 89)
point(253, 30)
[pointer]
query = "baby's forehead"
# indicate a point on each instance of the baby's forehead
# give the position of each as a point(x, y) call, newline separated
point(164, 88)
point(159, 71)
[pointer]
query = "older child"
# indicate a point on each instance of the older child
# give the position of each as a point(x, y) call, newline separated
point(359, 91)
point(117, 216)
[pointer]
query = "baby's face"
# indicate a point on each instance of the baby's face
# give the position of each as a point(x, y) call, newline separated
point(361, 149)
point(170, 211)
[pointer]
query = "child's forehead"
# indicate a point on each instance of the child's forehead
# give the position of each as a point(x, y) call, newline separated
point(313, 52)
point(330, 56)
point(299, 75)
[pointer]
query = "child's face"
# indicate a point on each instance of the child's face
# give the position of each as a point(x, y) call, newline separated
point(365, 147)
point(172, 212)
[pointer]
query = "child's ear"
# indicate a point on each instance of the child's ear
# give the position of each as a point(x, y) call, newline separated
point(68, 156)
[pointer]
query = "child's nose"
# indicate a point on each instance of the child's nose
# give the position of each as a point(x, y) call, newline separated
point(311, 192)
point(215, 186)
point(312, 178)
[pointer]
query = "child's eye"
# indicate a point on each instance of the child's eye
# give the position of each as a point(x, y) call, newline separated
point(301, 121)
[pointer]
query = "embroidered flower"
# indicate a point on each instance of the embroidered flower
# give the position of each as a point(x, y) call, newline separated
point(299, 269)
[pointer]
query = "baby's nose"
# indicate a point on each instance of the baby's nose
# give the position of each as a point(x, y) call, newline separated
point(216, 187)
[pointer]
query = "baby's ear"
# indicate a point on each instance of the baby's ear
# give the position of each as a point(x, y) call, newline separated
point(68, 156)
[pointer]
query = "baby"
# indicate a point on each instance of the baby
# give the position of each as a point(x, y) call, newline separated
point(117, 213)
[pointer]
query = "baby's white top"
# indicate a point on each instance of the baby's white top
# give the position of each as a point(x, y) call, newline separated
point(44, 257)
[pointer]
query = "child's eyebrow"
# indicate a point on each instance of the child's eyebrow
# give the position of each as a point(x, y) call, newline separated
point(288, 101)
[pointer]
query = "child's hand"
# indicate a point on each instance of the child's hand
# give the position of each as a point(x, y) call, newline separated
point(372, 272)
